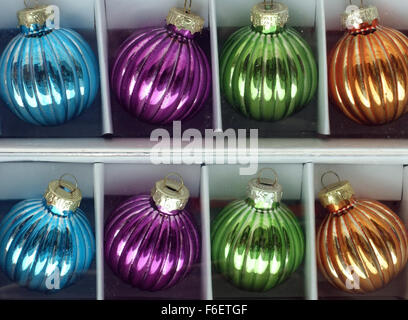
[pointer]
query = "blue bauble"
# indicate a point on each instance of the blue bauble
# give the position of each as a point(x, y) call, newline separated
point(48, 75)
point(47, 243)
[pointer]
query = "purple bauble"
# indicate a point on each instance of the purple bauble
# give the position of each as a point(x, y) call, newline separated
point(161, 74)
point(152, 242)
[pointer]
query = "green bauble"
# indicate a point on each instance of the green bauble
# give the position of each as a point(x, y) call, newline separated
point(268, 72)
point(257, 243)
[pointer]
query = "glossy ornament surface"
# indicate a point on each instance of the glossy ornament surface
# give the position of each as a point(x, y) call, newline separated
point(268, 71)
point(48, 75)
point(257, 243)
point(368, 69)
point(46, 244)
point(161, 74)
point(151, 241)
point(361, 244)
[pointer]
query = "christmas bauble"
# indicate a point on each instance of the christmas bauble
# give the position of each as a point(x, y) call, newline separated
point(151, 241)
point(257, 243)
point(48, 75)
point(361, 244)
point(46, 244)
point(161, 74)
point(268, 72)
point(368, 69)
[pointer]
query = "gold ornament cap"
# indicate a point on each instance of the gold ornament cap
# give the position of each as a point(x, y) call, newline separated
point(269, 15)
point(356, 17)
point(39, 15)
point(169, 194)
point(63, 195)
point(337, 195)
point(183, 19)
point(264, 192)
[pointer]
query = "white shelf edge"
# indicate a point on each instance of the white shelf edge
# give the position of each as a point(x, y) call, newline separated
point(269, 151)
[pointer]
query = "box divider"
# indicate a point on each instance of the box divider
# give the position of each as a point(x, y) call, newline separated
point(404, 198)
point(216, 94)
point(323, 120)
point(99, 175)
point(403, 213)
point(206, 276)
point(102, 38)
point(310, 233)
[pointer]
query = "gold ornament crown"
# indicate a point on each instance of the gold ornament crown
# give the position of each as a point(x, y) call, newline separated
point(336, 194)
point(170, 194)
point(266, 15)
point(264, 192)
point(63, 195)
point(355, 16)
point(37, 15)
point(185, 20)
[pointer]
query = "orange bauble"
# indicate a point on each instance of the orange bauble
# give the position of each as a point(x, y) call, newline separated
point(361, 244)
point(368, 69)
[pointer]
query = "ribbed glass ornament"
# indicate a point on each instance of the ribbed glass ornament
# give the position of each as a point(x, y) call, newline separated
point(150, 248)
point(257, 243)
point(267, 73)
point(366, 243)
point(368, 69)
point(44, 248)
point(161, 74)
point(48, 75)
point(361, 244)
point(256, 249)
point(368, 75)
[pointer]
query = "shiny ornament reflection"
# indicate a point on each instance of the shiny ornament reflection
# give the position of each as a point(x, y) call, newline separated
point(257, 243)
point(151, 241)
point(49, 75)
point(268, 72)
point(368, 70)
point(162, 75)
point(47, 244)
point(361, 244)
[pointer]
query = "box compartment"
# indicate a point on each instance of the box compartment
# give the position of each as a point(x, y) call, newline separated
point(85, 18)
point(226, 184)
point(29, 180)
point(124, 180)
point(384, 183)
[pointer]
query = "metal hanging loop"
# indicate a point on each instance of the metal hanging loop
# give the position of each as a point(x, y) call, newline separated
point(181, 182)
point(72, 176)
point(361, 3)
point(269, 6)
point(275, 175)
point(29, 3)
point(325, 174)
point(185, 7)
